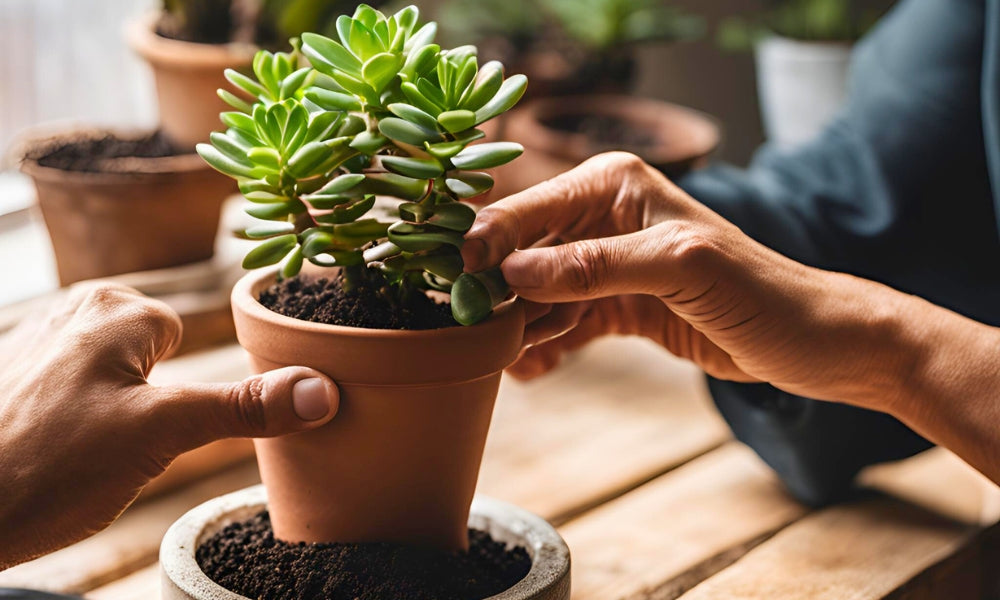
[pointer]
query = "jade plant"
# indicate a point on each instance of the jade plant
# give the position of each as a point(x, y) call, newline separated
point(361, 157)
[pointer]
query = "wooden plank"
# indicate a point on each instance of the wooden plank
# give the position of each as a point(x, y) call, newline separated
point(862, 550)
point(618, 413)
point(668, 535)
point(129, 544)
point(144, 584)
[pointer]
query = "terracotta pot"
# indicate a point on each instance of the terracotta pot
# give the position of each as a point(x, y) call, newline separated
point(187, 76)
point(682, 138)
point(182, 579)
point(137, 214)
point(399, 462)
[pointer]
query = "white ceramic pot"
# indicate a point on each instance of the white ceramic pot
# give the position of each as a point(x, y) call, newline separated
point(183, 579)
point(801, 86)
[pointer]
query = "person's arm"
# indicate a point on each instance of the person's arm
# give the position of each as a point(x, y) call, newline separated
point(81, 432)
point(735, 307)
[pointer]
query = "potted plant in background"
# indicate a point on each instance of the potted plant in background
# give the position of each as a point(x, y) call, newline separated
point(580, 57)
point(802, 50)
point(189, 43)
point(358, 165)
point(119, 202)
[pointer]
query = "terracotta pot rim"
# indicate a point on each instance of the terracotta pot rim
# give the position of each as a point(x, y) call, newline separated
point(35, 146)
point(249, 286)
point(153, 47)
point(702, 136)
point(547, 579)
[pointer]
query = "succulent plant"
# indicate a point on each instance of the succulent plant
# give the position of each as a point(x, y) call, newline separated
point(361, 158)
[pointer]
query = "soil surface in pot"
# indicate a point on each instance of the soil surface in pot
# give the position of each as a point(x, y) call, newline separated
point(90, 154)
point(604, 133)
point(245, 558)
point(324, 300)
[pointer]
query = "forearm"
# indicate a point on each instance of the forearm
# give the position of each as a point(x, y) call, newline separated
point(933, 369)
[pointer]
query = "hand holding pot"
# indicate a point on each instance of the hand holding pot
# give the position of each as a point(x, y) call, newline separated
point(81, 431)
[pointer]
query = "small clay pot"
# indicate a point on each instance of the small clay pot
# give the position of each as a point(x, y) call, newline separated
point(679, 138)
point(399, 462)
point(183, 579)
point(187, 76)
point(137, 214)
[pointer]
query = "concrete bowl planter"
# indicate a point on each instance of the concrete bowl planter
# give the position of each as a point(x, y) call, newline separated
point(130, 214)
point(183, 579)
point(187, 75)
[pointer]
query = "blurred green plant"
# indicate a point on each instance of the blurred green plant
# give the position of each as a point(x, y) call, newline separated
point(806, 20)
point(266, 22)
point(361, 159)
point(598, 35)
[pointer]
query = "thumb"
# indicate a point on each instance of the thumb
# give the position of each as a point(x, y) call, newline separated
point(636, 263)
point(278, 402)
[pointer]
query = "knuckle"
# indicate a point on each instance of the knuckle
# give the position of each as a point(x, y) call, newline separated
point(689, 246)
point(246, 402)
point(589, 270)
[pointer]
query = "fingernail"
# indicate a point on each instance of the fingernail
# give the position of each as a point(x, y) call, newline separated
point(474, 255)
point(521, 270)
point(310, 399)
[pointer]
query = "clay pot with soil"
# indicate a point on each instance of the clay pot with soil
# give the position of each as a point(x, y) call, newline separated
point(359, 188)
point(560, 133)
point(123, 202)
point(187, 75)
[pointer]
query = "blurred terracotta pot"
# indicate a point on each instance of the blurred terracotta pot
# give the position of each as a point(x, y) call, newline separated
point(561, 132)
point(187, 76)
point(134, 214)
point(399, 462)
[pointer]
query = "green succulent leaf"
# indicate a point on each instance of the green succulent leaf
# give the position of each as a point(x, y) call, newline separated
point(347, 213)
point(457, 120)
point(422, 37)
point(222, 163)
point(240, 121)
point(278, 210)
point(323, 51)
point(417, 238)
point(381, 69)
point(245, 83)
point(269, 230)
point(342, 183)
point(413, 115)
point(270, 251)
point(292, 265)
point(235, 101)
point(391, 184)
point(369, 142)
point(488, 155)
point(419, 62)
point(417, 99)
point(419, 168)
point(469, 184)
point(470, 300)
point(454, 216)
point(509, 93)
point(487, 84)
point(407, 132)
point(330, 100)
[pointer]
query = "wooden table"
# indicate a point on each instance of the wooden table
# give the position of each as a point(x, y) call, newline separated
point(622, 450)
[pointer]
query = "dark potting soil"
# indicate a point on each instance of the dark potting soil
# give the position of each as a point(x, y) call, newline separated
point(92, 153)
point(245, 558)
point(323, 300)
point(605, 133)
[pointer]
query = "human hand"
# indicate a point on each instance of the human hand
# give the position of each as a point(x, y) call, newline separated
point(625, 251)
point(81, 431)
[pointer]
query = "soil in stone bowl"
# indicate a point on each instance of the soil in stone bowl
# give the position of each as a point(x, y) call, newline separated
point(324, 300)
point(106, 153)
point(245, 558)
